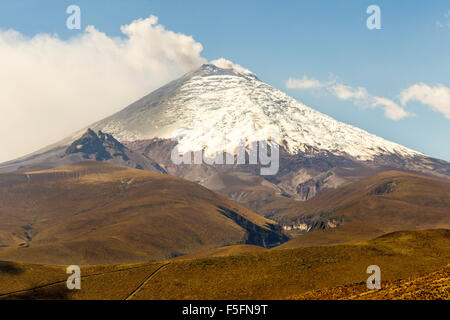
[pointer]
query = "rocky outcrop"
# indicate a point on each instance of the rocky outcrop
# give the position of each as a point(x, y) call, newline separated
point(91, 145)
point(384, 188)
point(266, 237)
point(104, 147)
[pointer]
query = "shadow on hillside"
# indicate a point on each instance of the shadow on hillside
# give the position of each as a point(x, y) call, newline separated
point(10, 268)
point(59, 292)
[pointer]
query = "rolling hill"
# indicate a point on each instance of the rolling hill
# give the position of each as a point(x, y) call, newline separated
point(95, 212)
point(222, 252)
point(385, 202)
point(433, 285)
point(260, 274)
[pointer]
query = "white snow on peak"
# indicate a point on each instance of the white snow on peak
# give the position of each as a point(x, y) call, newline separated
point(217, 110)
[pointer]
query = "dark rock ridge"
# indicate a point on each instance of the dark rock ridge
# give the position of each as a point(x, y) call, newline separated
point(256, 234)
point(93, 146)
point(104, 147)
point(311, 222)
point(384, 188)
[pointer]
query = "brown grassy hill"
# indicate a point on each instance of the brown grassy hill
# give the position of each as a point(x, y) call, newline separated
point(267, 274)
point(353, 231)
point(429, 286)
point(386, 202)
point(223, 252)
point(250, 190)
point(36, 281)
point(278, 273)
point(92, 212)
point(271, 198)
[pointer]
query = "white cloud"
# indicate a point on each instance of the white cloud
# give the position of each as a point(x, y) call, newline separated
point(362, 98)
point(437, 97)
point(391, 109)
point(446, 23)
point(227, 64)
point(359, 95)
point(53, 87)
point(304, 83)
point(344, 92)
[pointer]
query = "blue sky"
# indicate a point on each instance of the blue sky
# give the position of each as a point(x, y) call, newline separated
point(282, 39)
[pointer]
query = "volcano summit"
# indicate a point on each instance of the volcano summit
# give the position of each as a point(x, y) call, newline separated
point(221, 106)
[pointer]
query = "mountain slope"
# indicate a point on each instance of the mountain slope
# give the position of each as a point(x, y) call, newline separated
point(429, 286)
point(278, 274)
point(95, 212)
point(262, 274)
point(220, 107)
point(90, 146)
point(222, 252)
point(215, 109)
point(211, 104)
point(385, 202)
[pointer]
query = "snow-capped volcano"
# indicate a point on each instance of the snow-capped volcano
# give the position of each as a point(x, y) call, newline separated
point(221, 104)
